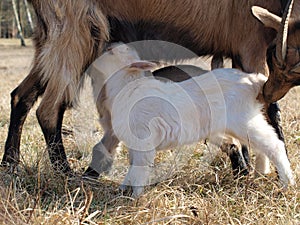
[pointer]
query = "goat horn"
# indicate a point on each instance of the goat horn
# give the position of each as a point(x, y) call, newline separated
point(281, 44)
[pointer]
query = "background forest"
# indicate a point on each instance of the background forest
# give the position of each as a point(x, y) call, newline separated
point(16, 19)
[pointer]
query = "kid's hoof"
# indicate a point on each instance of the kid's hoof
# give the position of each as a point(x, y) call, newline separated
point(91, 173)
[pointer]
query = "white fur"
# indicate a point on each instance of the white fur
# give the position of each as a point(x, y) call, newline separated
point(149, 115)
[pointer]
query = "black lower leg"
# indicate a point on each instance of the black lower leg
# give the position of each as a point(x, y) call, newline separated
point(275, 119)
point(274, 116)
point(91, 173)
point(239, 162)
point(12, 146)
point(246, 156)
point(57, 155)
point(22, 100)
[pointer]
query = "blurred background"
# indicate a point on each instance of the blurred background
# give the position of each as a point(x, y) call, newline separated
point(16, 20)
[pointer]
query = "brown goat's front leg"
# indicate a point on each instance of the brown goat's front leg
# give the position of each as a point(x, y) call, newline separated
point(239, 160)
point(50, 116)
point(274, 117)
point(22, 100)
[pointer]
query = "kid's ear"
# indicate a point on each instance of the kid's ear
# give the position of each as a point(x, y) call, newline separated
point(143, 66)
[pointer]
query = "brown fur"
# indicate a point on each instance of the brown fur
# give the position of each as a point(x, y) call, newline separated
point(234, 32)
point(225, 33)
point(70, 47)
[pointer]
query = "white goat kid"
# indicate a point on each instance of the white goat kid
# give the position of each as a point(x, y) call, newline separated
point(149, 115)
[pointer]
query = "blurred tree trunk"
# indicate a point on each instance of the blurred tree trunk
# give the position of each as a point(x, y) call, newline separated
point(18, 22)
point(13, 26)
point(29, 18)
point(1, 2)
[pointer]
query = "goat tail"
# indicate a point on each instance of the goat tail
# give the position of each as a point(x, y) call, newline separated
point(76, 32)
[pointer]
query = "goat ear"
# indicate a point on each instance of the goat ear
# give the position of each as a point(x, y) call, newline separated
point(143, 66)
point(296, 69)
point(268, 19)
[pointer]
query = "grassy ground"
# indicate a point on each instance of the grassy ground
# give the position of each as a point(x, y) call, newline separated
point(201, 190)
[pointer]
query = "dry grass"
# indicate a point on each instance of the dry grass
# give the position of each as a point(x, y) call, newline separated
point(200, 191)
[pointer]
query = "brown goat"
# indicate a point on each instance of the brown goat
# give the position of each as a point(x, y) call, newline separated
point(70, 34)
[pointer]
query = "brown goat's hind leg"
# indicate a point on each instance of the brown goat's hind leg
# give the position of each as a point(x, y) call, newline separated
point(22, 100)
point(239, 157)
point(50, 116)
point(239, 162)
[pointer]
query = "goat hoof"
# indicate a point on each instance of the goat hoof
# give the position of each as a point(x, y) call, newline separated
point(125, 190)
point(133, 191)
point(91, 173)
point(240, 172)
point(137, 191)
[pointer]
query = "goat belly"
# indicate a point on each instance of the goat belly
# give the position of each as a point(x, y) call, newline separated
point(150, 114)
